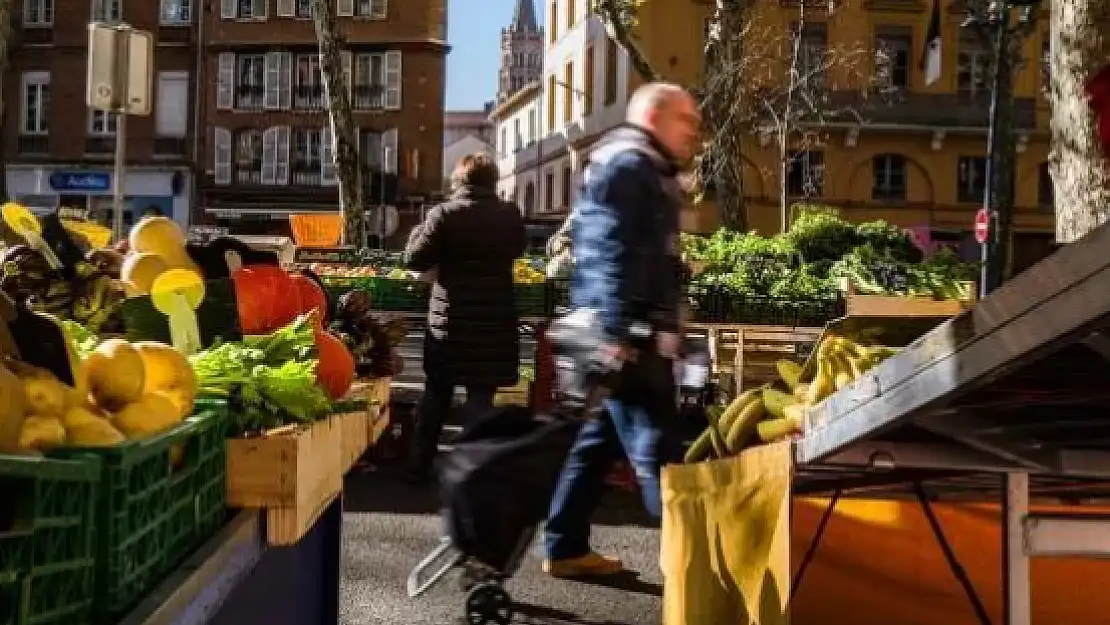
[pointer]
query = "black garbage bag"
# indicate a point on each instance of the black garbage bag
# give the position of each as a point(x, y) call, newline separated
point(496, 485)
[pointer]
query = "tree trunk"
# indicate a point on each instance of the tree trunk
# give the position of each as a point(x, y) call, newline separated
point(1080, 49)
point(724, 91)
point(337, 91)
point(6, 36)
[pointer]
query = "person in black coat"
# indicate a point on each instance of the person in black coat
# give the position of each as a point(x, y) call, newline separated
point(468, 244)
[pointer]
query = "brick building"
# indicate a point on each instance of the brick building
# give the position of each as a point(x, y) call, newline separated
point(267, 148)
point(58, 152)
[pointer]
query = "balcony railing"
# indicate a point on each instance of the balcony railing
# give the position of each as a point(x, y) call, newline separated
point(308, 97)
point(307, 174)
point(249, 173)
point(369, 97)
point(34, 144)
point(249, 97)
point(170, 146)
point(100, 145)
point(927, 110)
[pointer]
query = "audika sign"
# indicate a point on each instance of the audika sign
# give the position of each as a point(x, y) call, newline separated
point(80, 181)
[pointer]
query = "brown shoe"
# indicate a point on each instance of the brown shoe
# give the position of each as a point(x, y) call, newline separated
point(584, 566)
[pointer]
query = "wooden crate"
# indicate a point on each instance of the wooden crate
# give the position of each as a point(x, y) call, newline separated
point(859, 305)
point(513, 395)
point(759, 347)
point(378, 394)
point(294, 473)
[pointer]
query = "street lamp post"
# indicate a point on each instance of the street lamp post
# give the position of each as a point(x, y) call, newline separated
point(994, 25)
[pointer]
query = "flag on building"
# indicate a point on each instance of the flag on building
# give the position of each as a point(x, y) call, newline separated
point(930, 61)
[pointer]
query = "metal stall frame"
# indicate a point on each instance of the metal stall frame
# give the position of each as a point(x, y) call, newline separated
point(939, 389)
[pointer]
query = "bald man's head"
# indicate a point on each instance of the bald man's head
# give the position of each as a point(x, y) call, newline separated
point(669, 113)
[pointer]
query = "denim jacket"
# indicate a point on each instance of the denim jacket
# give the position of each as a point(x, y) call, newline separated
point(625, 234)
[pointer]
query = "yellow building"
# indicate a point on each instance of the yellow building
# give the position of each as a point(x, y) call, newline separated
point(910, 153)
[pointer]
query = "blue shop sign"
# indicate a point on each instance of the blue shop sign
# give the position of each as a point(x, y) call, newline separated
point(80, 181)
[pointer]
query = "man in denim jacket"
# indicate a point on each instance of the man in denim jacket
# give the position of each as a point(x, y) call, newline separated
point(626, 266)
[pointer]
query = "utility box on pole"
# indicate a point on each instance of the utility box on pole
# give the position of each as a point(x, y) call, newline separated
point(120, 80)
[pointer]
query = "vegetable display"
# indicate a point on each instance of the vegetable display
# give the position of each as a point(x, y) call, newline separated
point(809, 261)
point(773, 412)
point(270, 380)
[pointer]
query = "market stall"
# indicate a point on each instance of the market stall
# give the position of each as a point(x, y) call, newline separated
point(909, 400)
point(175, 425)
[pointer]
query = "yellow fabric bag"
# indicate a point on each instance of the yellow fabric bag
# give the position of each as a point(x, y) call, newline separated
point(725, 552)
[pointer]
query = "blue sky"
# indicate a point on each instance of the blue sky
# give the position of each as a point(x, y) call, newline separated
point(474, 30)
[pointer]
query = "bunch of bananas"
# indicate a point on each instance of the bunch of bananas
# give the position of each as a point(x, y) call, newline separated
point(776, 411)
point(524, 272)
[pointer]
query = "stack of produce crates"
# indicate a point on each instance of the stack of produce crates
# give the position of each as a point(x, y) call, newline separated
point(161, 498)
point(48, 538)
point(399, 295)
point(719, 304)
point(531, 299)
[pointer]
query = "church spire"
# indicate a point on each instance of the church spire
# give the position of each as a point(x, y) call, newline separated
point(524, 17)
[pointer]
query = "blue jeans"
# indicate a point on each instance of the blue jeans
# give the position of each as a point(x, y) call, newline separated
point(640, 419)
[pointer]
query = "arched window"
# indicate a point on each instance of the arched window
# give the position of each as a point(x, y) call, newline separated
point(888, 172)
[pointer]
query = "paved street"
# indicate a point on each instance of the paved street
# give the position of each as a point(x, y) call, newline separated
point(390, 526)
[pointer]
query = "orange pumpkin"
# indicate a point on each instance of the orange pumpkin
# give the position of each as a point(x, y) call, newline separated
point(310, 295)
point(336, 371)
point(262, 293)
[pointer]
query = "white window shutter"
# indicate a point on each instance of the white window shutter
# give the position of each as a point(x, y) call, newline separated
point(225, 81)
point(221, 155)
point(269, 155)
point(327, 156)
point(348, 63)
point(345, 8)
point(285, 81)
point(271, 98)
point(227, 9)
point(281, 168)
point(286, 8)
point(389, 150)
point(393, 81)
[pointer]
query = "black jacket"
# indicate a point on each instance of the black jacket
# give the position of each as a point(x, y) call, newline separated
point(471, 241)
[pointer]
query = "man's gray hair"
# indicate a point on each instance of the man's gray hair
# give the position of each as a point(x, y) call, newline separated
point(652, 97)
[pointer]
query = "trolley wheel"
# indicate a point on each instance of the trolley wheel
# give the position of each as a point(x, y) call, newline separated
point(488, 604)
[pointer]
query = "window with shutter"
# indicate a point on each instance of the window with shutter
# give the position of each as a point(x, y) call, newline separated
point(269, 156)
point(285, 81)
point(370, 148)
point(248, 157)
point(250, 87)
point(225, 81)
point(38, 13)
point(171, 112)
point(309, 82)
point(271, 99)
point(372, 9)
point(307, 158)
point(345, 8)
point(368, 82)
point(221, 156)
point(281, 168)
point(393, 80)
point(389, 151)
point(347, 60)
point(286, 8)
point(327, 156)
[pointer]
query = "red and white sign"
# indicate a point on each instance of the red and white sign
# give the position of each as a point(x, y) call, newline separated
point(982, 225)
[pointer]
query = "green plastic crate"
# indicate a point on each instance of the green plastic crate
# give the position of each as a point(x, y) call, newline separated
point(48, 537)
point(531, 299)
point(396, 295)
point(217, 316)
point(161, 498)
